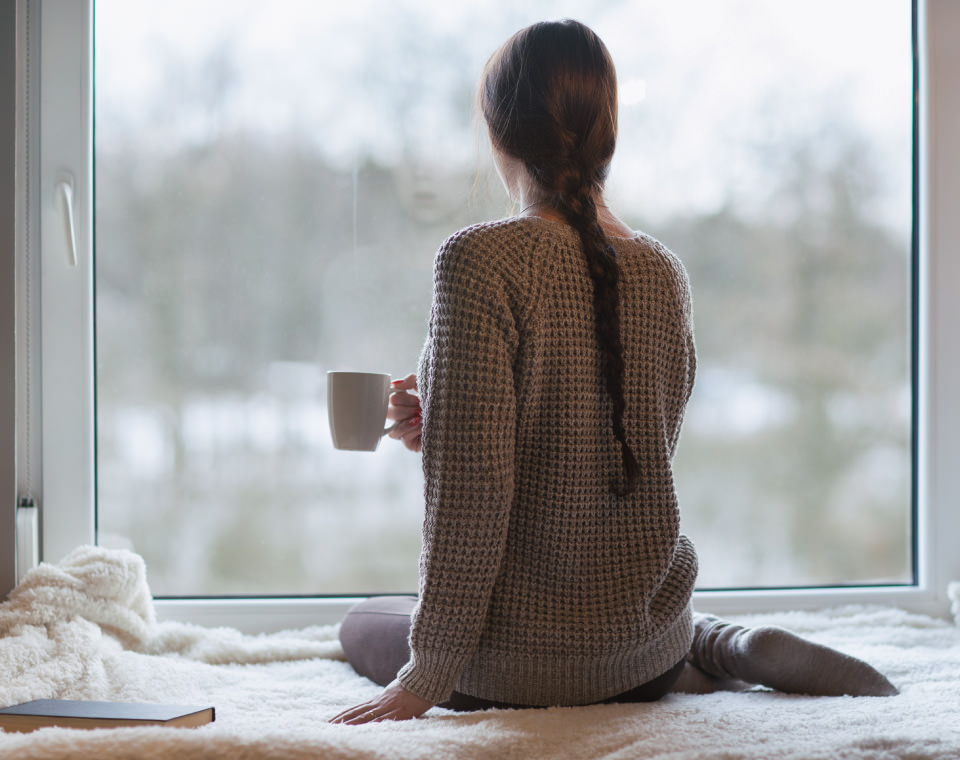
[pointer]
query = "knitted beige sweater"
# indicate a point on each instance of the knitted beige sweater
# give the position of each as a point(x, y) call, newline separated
point(538, 585)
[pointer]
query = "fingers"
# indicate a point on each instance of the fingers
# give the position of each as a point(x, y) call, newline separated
point(404, 409)
point(394, 703)
point(408, 383)
point(367, 712)
point(402, 405)
point(348, 716)
point(402, 398)
point(406, 424)
point(369, 716)
point(409, 432)
point(356, 716)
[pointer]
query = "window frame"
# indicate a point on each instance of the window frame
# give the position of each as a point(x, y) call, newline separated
point(9, 239)
point(63, 436)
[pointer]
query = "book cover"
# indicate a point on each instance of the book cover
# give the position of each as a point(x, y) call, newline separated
point(68, 713)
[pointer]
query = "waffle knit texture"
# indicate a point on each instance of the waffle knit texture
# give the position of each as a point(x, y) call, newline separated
point(538, 585)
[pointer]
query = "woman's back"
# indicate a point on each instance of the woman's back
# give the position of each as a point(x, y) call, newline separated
point(558, 363)
point(533, 564)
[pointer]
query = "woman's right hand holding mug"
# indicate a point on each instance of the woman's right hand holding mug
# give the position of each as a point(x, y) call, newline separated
point(405, 410)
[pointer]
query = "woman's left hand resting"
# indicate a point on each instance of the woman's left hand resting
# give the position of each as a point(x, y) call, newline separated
point(394, 703)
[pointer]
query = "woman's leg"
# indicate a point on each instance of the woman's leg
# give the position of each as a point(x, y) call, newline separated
point(777, 658)
point(374, 636)
point(375, 633)
point(375, 639)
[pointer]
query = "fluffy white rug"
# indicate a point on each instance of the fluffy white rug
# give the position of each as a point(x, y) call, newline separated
point(85, 629)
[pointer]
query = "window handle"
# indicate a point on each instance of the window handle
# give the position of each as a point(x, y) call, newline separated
point(65, 199)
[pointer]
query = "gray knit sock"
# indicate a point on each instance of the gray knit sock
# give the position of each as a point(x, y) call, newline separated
point(781, 660)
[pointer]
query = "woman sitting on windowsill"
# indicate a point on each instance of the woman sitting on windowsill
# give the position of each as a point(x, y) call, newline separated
point(558, 364)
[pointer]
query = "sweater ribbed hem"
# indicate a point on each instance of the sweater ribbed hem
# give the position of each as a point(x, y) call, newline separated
point(545, 681)
point(431, 674)
point(575, 680)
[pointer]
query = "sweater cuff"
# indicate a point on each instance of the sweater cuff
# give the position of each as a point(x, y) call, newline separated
point(431, 675)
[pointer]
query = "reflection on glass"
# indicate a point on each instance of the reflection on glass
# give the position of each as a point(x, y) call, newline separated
point(274, 179)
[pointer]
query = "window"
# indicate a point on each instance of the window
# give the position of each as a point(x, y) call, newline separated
point(212, 453)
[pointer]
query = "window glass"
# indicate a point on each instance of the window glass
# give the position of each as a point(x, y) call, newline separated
point(272, 181)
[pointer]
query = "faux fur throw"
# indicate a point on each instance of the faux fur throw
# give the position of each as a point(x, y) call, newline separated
point(86, 629)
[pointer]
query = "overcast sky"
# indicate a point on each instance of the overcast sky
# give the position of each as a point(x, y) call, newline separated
point(703, 81)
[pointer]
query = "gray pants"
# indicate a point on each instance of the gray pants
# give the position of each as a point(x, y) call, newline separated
point(375, 634)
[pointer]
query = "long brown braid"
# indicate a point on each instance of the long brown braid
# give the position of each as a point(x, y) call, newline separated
point(549, 97)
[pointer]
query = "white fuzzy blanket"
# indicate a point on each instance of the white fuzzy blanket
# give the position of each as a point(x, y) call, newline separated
point(86, 629)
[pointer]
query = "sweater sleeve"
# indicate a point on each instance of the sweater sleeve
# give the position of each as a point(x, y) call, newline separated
point(686, 335)
point(468, 399)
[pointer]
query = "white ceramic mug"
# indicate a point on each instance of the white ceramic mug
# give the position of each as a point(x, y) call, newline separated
point(357, 409)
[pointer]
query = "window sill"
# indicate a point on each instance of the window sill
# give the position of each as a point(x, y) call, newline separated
point(256, 616)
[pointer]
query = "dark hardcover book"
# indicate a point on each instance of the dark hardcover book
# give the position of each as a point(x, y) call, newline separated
point(69, 713)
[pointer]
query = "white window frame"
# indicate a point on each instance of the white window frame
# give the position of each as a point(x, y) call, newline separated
point(9, 236)
point(53, 47)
